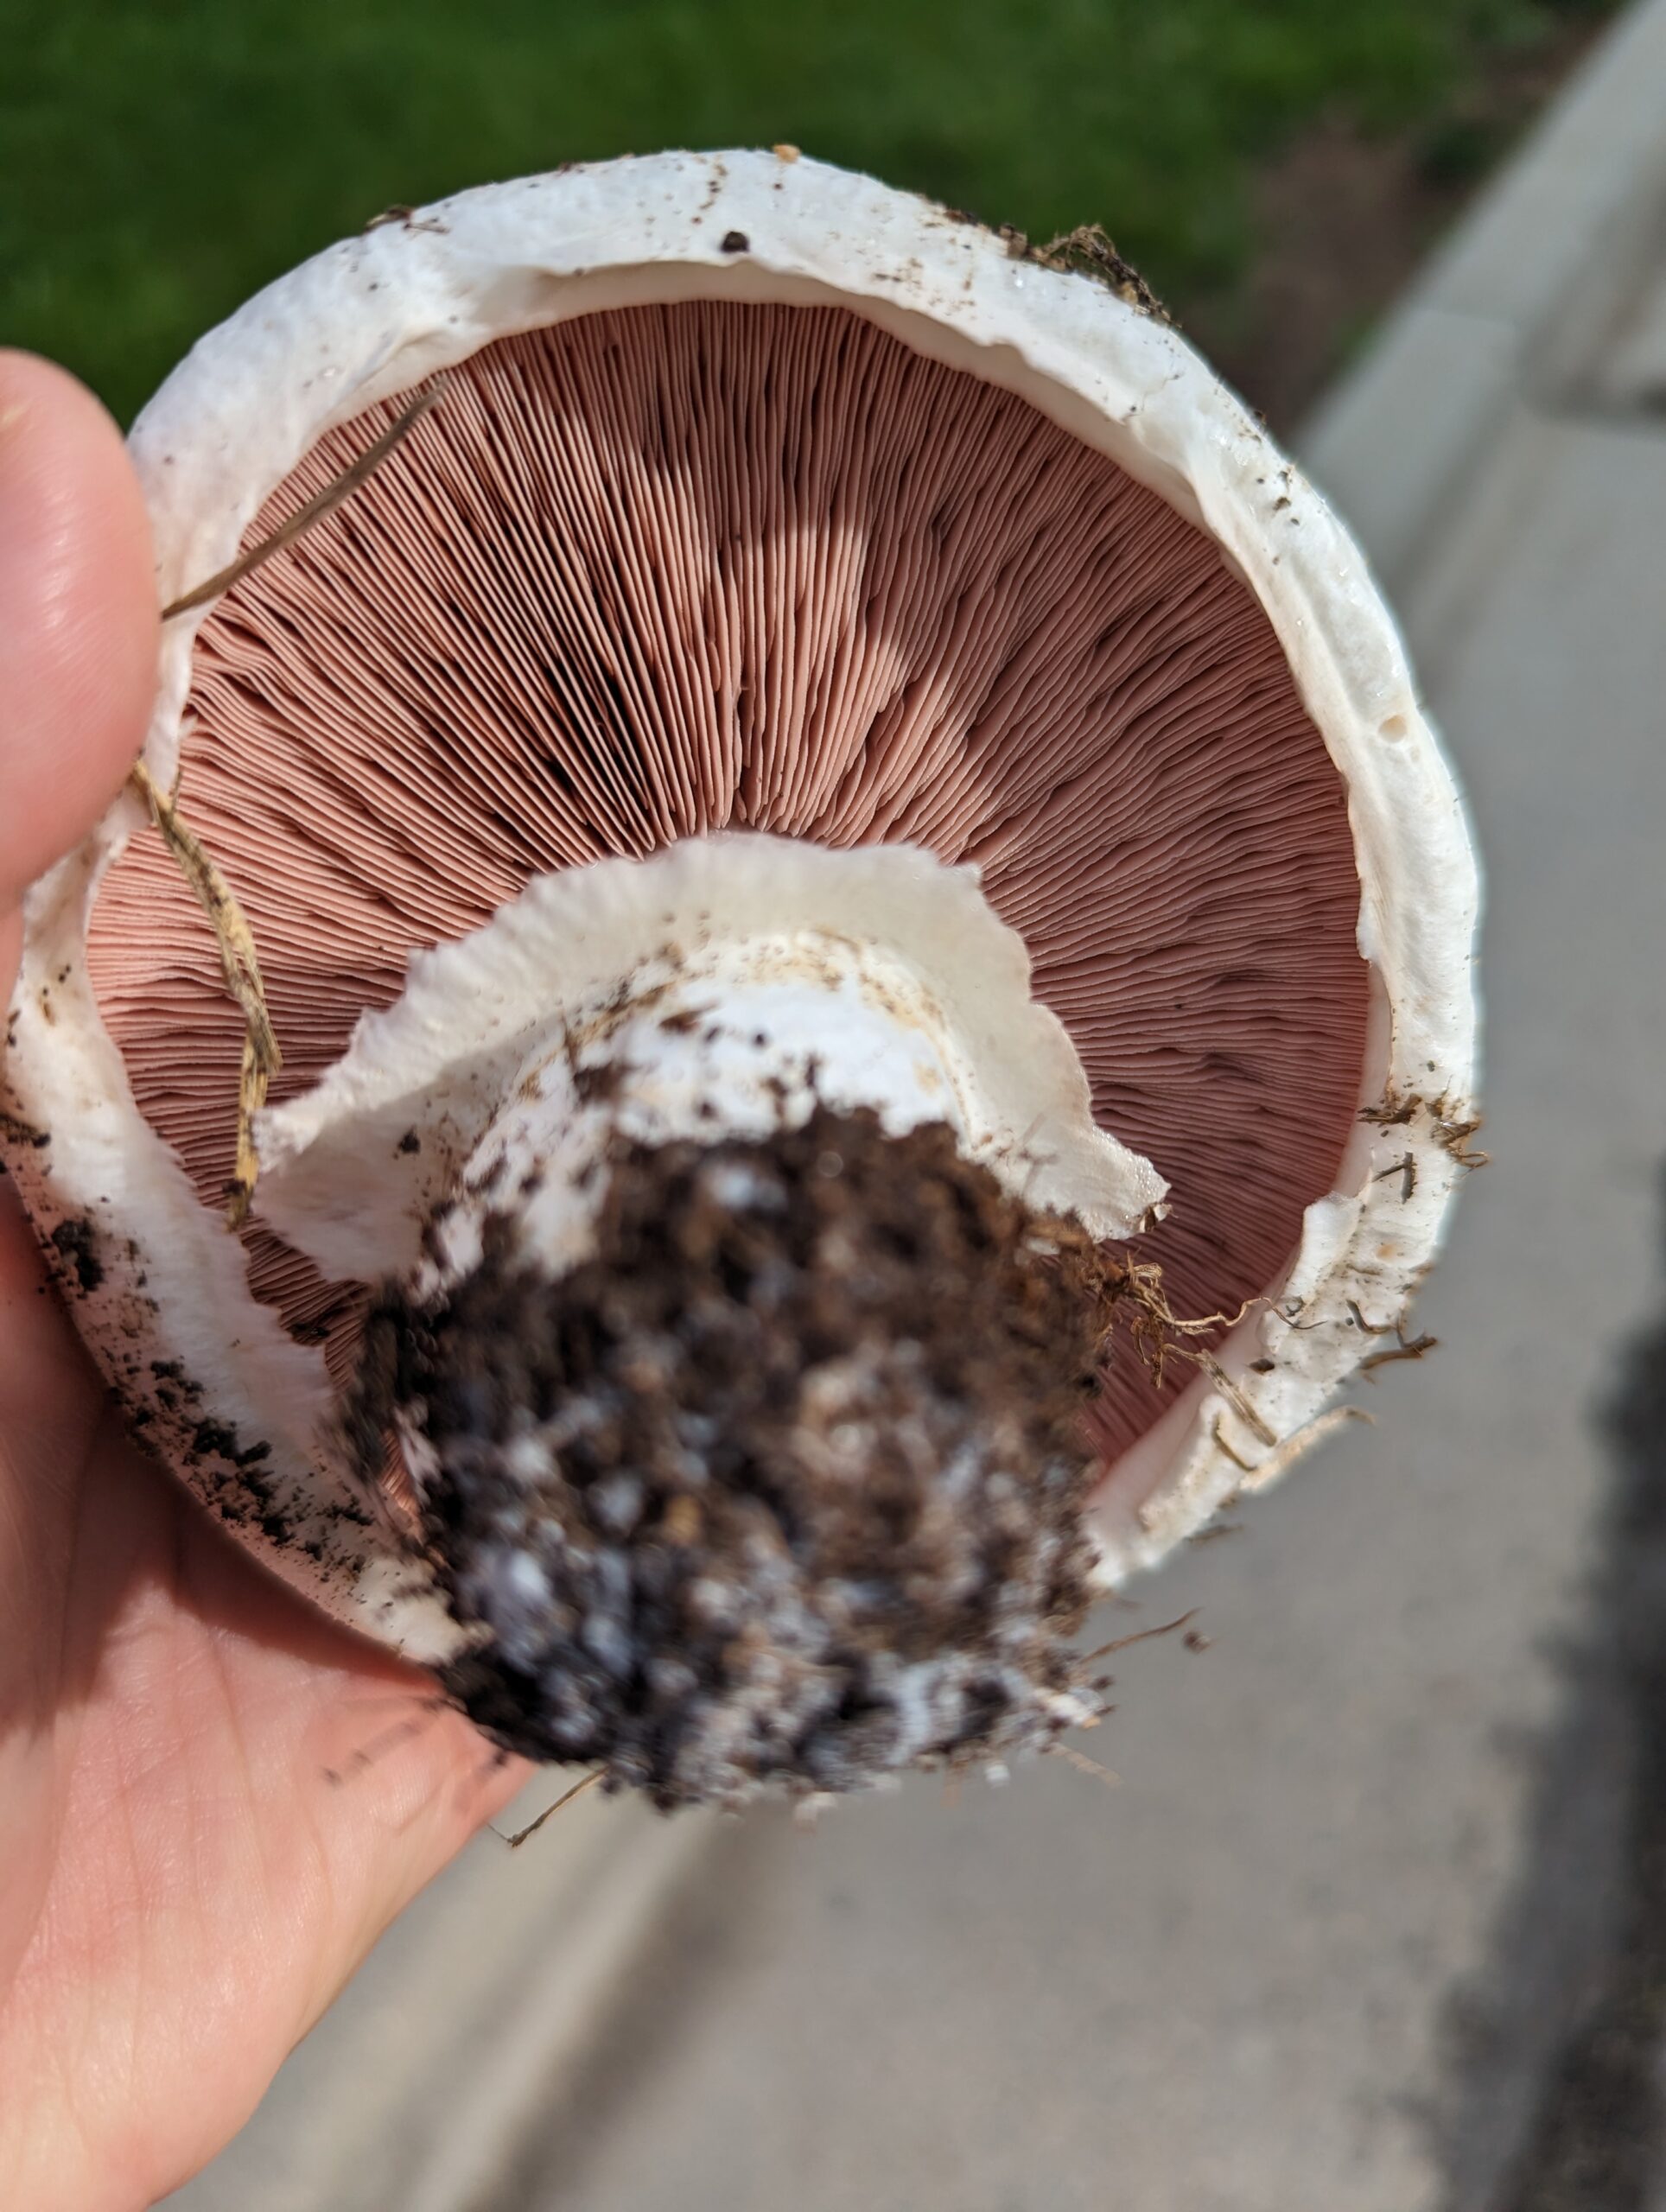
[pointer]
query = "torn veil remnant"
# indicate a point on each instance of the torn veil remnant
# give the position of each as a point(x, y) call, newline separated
point(831, 798)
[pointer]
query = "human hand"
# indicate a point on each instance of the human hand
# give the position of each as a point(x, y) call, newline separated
point(183, 1887)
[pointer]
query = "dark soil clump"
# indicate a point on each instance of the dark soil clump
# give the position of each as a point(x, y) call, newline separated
point(75, 1241)
point(783, 1485)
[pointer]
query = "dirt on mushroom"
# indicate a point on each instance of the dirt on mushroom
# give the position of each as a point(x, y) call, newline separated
point(784, 1483)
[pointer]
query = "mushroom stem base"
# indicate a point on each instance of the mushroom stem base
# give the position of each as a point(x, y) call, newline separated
point(782, 1485)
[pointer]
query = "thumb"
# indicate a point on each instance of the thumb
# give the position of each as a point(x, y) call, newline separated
point(78, 617)
point(78, 661)
point(78, 669)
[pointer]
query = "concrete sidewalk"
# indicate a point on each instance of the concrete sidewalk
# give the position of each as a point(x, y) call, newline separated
point(1366, 1925)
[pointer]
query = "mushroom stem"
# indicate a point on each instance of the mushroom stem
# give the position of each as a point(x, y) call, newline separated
point(734, 1217)
point(784, 1481)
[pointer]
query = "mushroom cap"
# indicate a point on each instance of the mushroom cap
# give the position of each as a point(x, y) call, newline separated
point(950, 547)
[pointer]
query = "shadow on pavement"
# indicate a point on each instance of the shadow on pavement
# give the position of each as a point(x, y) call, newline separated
point(1558, 2050)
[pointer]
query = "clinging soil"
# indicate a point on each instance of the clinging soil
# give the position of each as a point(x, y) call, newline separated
point(783, 1485)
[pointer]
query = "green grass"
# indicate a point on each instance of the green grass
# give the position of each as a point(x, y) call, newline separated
point(159, 159)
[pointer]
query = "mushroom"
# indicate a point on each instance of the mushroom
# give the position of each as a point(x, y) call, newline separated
point(826, 823)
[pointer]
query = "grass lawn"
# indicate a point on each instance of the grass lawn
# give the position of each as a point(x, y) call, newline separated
point(159, 159)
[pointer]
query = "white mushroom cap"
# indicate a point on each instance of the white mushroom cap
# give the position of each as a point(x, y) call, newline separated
point(1138, 673)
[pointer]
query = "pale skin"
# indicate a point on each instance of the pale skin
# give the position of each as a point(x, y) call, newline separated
point(184, 1887)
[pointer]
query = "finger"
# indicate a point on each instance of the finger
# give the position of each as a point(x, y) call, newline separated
point(78, 663)
point(78, 656)
point(78, 617)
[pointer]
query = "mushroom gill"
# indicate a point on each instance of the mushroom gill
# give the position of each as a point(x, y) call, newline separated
point(658, 571)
